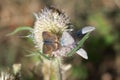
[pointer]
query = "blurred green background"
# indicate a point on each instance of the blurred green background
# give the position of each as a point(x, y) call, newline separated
point(103, 45)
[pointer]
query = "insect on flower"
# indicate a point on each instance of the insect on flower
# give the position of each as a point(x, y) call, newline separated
point(68, 43)
point(50, 33)
point(50, 22)
point(51, 42)
point(68, 40)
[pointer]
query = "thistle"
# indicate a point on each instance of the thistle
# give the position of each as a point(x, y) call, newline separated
point(50, 20)
point(48, 28)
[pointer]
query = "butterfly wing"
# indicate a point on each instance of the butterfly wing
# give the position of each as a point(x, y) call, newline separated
point(50, 42)
point(47, 49)
point(82, 53)
point(66, 39)
point(85, 30)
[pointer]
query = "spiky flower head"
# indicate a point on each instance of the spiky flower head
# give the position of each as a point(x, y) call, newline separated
point(16, 68)
point(6, 76)
point(51, 20)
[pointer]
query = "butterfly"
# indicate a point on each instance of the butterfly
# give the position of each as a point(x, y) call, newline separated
point(50, 42)
point(52, 45)
point(68, 41)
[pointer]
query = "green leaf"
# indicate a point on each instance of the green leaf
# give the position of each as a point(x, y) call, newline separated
point(32, 53)
point(80, 43)
point(20, 29)
point(45, 56)
point(37, 53)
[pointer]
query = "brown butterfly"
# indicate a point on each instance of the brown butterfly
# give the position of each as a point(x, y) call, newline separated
point(51, 42)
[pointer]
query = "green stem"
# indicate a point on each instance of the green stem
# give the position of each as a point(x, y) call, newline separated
point(59, 69)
